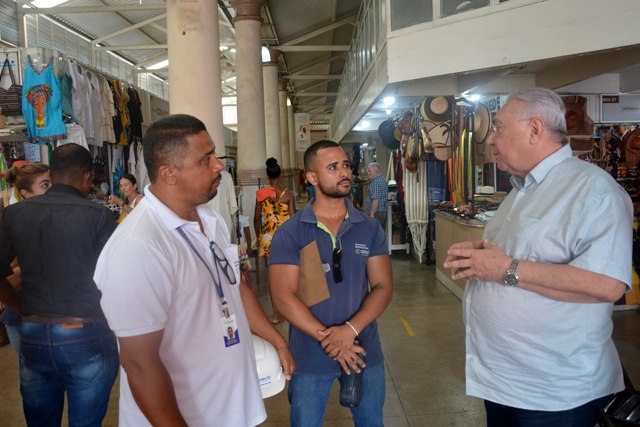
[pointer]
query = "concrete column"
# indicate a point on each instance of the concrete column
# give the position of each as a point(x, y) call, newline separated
point(284, 128)
point(293, 155)
point(252, 147)
point(272, 107)
point(192, 38)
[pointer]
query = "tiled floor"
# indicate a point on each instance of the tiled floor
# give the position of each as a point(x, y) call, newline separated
point(423, 340)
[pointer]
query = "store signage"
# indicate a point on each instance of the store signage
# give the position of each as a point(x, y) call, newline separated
point(303, 131)
point(621, 108)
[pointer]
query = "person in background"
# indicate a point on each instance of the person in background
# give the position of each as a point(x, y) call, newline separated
point(377, 194)
point(542, 282)
point(66, 345)
point(173, 312)
point(356, 192)
point(311, 192)
point(274, 205)
point(357, 268)
point(28, 180)
point(129, 188)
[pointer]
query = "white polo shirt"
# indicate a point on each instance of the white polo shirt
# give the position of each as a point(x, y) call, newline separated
point(152, 280)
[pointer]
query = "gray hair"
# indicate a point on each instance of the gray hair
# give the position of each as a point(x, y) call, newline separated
point(546, 104)
point(376, 167)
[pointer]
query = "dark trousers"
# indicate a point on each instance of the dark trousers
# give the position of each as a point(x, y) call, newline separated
point(586, 415)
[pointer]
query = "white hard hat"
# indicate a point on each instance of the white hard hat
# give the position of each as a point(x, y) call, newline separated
point(270, 372)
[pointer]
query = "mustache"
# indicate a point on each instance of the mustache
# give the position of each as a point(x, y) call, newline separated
point(345, 180)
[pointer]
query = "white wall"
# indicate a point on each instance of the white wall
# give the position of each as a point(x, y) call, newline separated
point(514, 32)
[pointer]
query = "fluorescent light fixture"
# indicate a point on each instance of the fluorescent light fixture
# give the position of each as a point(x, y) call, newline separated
point(224, 48)
point(47, 3)
point(230, 79)
point(389, 100)
point(388, 112)
point(158, 65)
point(474, 98)
point(365, 144)
point(232, 50)
point(288, 102)
point(365, 124)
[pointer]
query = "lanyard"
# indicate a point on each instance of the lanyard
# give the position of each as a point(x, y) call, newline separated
point(217, 283)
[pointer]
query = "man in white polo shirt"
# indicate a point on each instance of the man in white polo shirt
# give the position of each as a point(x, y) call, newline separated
point(172, 292)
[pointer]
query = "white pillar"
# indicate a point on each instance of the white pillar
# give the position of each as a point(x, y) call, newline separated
point(192, 38)
point(252, 147)
point(293, 155)
point(272, 110)
point(284, 130)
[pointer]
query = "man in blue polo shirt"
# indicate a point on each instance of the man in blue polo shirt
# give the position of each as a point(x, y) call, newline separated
point(356, 265)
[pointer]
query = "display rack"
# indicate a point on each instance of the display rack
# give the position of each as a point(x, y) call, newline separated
point(393, 247)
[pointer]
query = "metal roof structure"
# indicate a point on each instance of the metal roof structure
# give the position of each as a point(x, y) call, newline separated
point(313, 35)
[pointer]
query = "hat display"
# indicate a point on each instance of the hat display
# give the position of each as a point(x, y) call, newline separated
point(632, 148)
point(481, 123)
point(387, 133)
point(436, 108)
point(581, 145)
point(578, 122)
point(440, 136)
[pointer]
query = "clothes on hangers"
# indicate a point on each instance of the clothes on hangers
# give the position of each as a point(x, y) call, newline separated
point(75, 134)
point(96, 109)
point(66, 89)
point(79, 95)
point(108, 111)
point(42, 104)
point(135, 114)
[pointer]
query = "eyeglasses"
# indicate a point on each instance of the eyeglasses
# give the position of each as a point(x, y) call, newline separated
point(496, 130)
point(336, 258)
point(221, 260)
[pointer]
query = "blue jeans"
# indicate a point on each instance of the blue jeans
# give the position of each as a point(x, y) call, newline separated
point(13, 332)
point(79, 359)
point(583, 416)
point(308, 395)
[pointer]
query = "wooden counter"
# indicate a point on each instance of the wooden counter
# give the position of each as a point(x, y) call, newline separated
point(451, 229)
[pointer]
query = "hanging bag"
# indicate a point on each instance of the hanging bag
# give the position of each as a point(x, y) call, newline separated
point(11, 98)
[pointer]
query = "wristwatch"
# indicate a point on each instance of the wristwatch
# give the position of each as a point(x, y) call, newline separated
point(511, 276)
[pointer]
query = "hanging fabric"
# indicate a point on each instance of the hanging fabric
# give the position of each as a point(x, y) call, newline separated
point(10, 98)
point(417, 207)
point(42, 104)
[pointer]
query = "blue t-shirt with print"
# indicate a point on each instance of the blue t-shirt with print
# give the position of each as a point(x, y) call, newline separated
point(360, 238)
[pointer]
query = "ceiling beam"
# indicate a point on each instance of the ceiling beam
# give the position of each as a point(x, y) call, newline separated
point(305, 94)
point(311, 65)
point(586, 66)
point(130, 28)
point(313, 77)
point(59, 10)
point(347, 20)
point(131, 47)
point(314, 48)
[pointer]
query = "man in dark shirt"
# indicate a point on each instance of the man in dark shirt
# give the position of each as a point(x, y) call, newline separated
point(66, 343)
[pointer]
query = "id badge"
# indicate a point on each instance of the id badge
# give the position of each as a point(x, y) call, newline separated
point(230, 330)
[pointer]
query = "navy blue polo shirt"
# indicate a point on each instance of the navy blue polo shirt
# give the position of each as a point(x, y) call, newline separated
point(360, 237)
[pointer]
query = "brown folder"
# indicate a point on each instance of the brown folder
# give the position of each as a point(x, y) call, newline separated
point(312, 288)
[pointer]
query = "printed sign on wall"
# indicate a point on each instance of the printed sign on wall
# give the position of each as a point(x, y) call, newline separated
point(620, 108)
point(303, 131)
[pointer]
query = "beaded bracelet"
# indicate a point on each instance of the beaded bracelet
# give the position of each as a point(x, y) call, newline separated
point(352, 327)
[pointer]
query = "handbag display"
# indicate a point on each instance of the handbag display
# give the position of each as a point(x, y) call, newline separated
point(11, 98)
